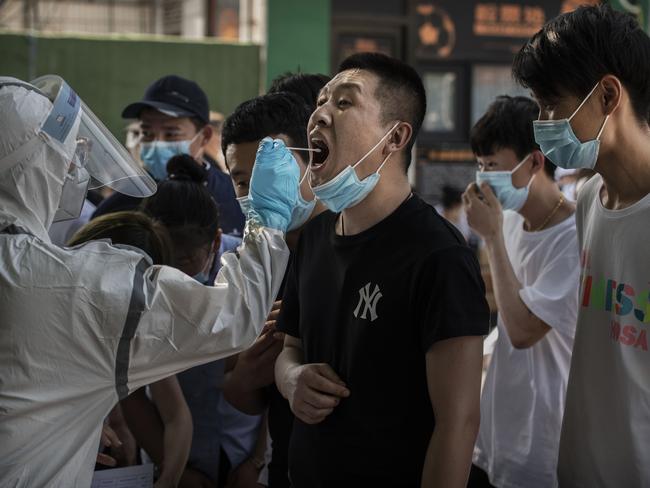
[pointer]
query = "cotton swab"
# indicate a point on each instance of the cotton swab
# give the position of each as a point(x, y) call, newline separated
point(303, 149)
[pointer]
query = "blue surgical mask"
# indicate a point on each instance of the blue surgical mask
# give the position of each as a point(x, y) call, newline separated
point(245, 205)
point(204, 275)
point(156, 154)
point(346, 190)
point(301, 212)
point(511, 198)
point(303, 209)
point(559, 143)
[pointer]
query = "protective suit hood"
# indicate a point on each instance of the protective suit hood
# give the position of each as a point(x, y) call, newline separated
point(52, 144)
point(33, 166)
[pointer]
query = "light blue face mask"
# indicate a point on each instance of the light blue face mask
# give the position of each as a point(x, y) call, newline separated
point(301, 212)
point(303, 209)
point(559, 143)
point(155, 155)
point(346, 190)
point(245, 205)
point(511, 198)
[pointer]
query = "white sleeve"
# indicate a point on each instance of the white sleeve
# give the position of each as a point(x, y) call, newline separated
point(553, 296)
point(175, 323)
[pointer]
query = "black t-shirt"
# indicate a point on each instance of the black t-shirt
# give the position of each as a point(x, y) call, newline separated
point(371, 305)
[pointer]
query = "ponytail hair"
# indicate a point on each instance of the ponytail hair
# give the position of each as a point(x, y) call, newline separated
point(184, 204)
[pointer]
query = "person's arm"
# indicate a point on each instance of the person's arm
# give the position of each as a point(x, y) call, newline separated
point(174, 323)
point(485, 216)
point(313, 390)
point(245, 385)
point(144, 422)
point(177, 438)
point(453, 368)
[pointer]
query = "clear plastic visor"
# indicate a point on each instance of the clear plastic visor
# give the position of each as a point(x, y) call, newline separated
point(104, 157)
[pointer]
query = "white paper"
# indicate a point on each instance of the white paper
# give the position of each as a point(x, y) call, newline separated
point(131, 477)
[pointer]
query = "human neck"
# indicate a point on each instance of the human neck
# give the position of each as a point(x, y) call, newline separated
point(542, 208)
point(626, 168)
point(383, 200)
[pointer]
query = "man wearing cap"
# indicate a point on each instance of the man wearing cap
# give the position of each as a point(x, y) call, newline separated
point(174, 117)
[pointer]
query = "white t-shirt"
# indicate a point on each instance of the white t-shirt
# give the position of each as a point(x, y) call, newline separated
point(524, 391)
point(606, 431)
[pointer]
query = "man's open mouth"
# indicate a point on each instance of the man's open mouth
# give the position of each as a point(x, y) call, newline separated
point(318, 159)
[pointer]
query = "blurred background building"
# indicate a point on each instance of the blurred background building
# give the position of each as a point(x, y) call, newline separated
point(109, 50)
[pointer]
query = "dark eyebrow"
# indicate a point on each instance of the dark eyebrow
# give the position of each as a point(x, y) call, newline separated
point(349, 86)
point(172, 127)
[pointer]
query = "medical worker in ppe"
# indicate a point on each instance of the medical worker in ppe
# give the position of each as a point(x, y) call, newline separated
point(83, 327)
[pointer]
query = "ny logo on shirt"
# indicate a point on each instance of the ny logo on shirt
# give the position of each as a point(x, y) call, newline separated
point(369, 302)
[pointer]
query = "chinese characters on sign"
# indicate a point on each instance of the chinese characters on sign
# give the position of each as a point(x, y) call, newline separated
point(507, 20)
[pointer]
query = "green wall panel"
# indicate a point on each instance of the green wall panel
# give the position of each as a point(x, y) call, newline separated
point(298, 37)
point(109, 73)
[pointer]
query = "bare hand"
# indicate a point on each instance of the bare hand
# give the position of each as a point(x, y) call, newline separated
point(255, 365)
point(313, 391)
point(484, 212)
point(108, 439)
point(275, 311)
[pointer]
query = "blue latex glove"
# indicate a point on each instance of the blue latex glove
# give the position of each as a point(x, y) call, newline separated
point(274, 184)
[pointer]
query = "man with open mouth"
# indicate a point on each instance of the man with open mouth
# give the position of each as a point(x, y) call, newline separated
point(384, 307)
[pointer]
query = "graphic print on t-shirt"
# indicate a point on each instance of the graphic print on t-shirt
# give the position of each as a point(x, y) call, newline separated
point(630, 307)
point(368, 302)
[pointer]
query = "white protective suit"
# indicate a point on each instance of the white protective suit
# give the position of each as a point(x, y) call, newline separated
point(81, 328)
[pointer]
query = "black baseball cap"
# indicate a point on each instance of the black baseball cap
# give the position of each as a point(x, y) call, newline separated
point(173, 96)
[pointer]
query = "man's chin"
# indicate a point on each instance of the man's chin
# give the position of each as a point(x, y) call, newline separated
point(325, 175)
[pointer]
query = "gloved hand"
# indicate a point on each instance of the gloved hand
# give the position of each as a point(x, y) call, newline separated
point(274, 184)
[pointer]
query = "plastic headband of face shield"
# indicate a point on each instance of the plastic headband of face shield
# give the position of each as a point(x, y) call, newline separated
point(106, 160)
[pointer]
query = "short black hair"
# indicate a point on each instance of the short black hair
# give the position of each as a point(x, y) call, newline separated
point(273, 113)
point(185, 205)
point(508, 124)
point(400, 90)
point(572, 52)
point(305, 85)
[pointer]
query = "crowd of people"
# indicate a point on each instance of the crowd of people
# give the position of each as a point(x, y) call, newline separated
point(285, 311)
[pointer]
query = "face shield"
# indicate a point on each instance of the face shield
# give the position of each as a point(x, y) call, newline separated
point(98, 154)
point(76, 184)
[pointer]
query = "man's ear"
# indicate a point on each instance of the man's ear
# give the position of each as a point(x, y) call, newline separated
point(611, 94)
point(400, 137)
point(538, 159)
point(206, 135)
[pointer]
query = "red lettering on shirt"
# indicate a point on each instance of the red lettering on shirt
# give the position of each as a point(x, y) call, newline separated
point(629, 335)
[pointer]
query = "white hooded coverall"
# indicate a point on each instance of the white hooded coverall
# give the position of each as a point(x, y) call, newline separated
point(81, 328)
